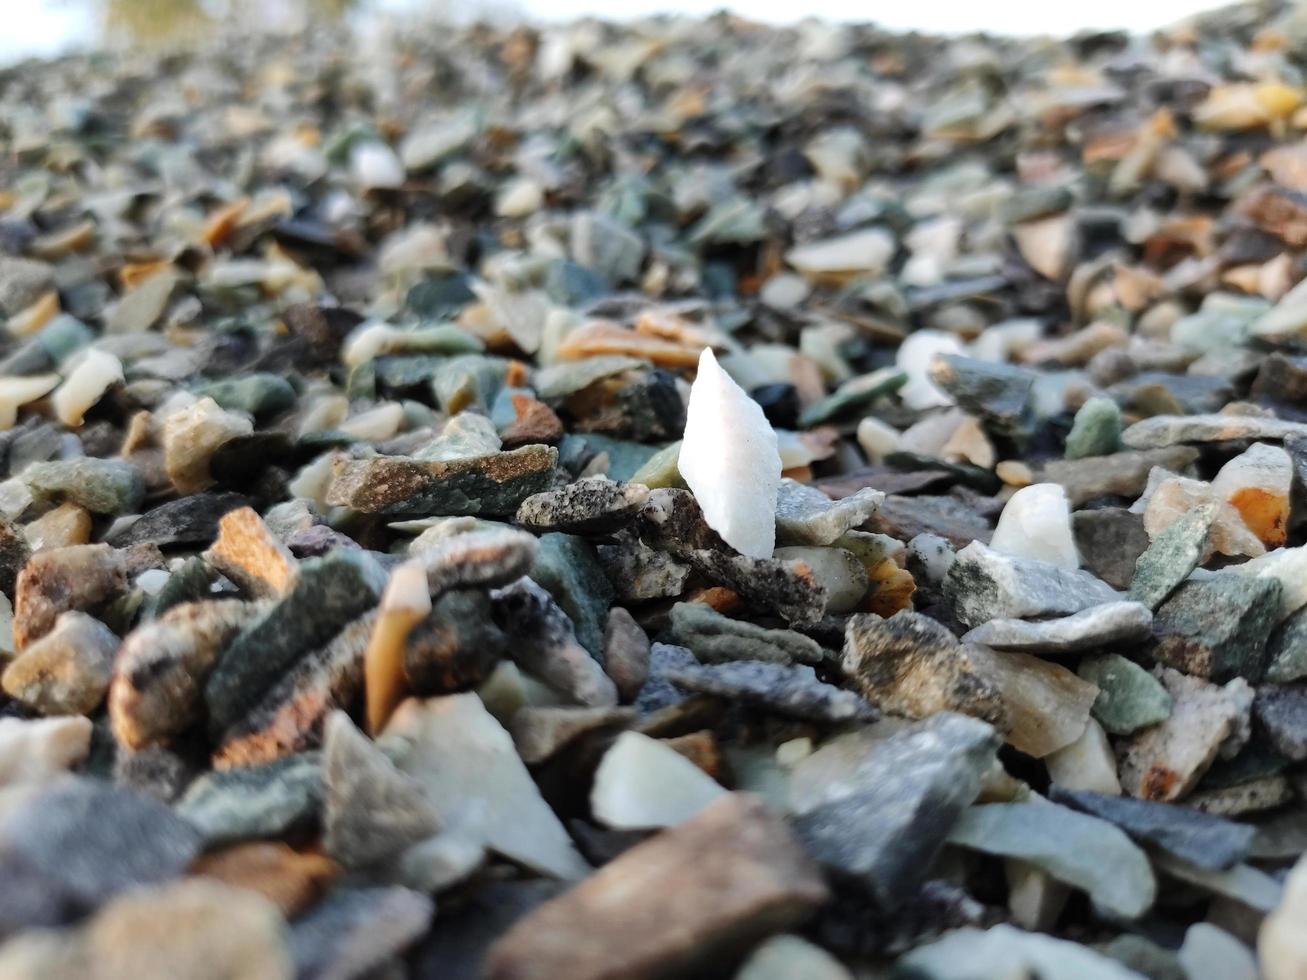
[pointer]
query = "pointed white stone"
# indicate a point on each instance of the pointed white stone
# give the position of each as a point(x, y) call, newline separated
point(95, 372)
point(914, 358)
point(729, 459)
point(643, 783)
point(16, 392)
point(1036, 523)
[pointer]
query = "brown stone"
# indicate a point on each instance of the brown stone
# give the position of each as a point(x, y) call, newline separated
point(290, 880)
point(251, 556)
point(602, 337)
point(535, 423)
point(686, 900)
point(78, 577)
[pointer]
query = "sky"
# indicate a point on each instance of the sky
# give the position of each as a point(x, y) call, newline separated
point(47, 27)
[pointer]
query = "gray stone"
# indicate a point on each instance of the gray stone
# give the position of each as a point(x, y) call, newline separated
point(543, 643)
point(1189, 834)
point(255, 801)
point(89, 840)
point(788, 588)
point(590, 506)
point(191, 520)
point(1123, 474)
point(493, 484)
point(456, 646)
point(102, 486)
point(1005, 951)
point(658, 692)
point(906, 517)
point(22, 281)
point(1083, 851)
point(793, 691)
point(1110, 623)
point(626, 653)
point(1110, 541)
point(257, 394)
point(1286, 650)
point(539, 733)
point(999, 393)
point(982, 585)
point(912, 665)
point(1096, 430)
point(569, 569)
point(1217, 627)
point(1281, 712)
point(716, 638)
point(1145, 957)
point(1167, 430)
point(329, 592)
point(879, 809)
point(1172, 556)
point(356, 931)
point(805, 515)
point(638, 573)
point(606, 246)
point(1129, 698)
point(373, 811)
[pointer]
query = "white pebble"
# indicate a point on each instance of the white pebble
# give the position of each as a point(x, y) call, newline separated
point(95, 372)
point(642, 783)
point(914, 358)
point(1036, 523)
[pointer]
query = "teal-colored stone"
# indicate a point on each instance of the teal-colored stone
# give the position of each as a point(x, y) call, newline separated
point(259, 394)
point(1172, 556)
point(1129, 697)
point(1096, 430)
point(855, 394)
point(468, 381)
point(440, 296)
point(102, 486)
point(568, 568)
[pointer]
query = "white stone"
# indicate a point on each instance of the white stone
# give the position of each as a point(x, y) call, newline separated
point(914, 358)
point(1282, 941)
point(16, 392)
point(1289, 565)
point(36, 750)
point(791, 958)
point(1035, 898)
point(369, 340)
point(375, 424)
point(190, 438)
point(1211, 953)
point(867, 251)
point(520, 197)
point(1036, 523)
point(93, 374)
point(1087, 763)
point(475, 778)
point(374, 164)
point(784, 291)
point(729, 459)
point(999, 342)
point(643, 783)
point(877, 439)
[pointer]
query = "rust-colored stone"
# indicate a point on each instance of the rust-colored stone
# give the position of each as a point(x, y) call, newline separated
point(290, 880)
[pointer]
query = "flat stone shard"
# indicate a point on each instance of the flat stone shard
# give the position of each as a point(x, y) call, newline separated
point(1005, 951)
point(76, 577)
point(877, 810)
point(716, 638)
point(793, 691)
point(730, 461)
point(248, 553)
point(1191, 835)
point(983, 585)
point(1047, 706)
point(102, 486)
point(1256, 483)
point(1164, 762)
point(590, 506)
point(911, 665)
point(1173, 554)
point(541, 732)
point(473, 776)
point(642, 783)
point(1167, 430)
point(1098, 626)
point(626, 653)
point(805, 515)
point(493, 484)
point(708, 890)
point(1036, 523)
point(1083, 851)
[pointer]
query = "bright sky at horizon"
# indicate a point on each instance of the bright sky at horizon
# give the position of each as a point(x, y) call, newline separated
point(49, 27)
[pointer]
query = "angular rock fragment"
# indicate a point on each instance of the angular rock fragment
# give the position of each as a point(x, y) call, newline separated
point(1129, 697)
point(455, 647)
point(639, 573)
point(539, 733)
point(983, 585)
point(710, 888)
point(1281, 712)
point(642, 783)
point(1173, 554)
point(788, 588)
point(715, 638)
point(192, 435)
point(1164, 762)
point(805, 515)
point(1217, 627)
point(267, 800)
point(67, 671)
point(911, 665)
point(1003, 950)
point(1110, 542)
point(102, 486)
point(1047, 706)
point(494, 484)
point(248, 553)
point(1098, 626)
point(730, 461)
point(78, 577)
point(626, 653)
point(877, 810)
point(591, 506)
point(358, 930)
point(1123, 474)
point(794, 691)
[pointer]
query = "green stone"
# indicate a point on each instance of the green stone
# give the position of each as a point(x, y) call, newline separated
point(625, 456)
point(715, 638)
point(661, 469)
point(329, 593)
point(257, 394)
point(1172, 556)
point(1096, 430)
point(465, 435)
point(1217, 627)
point(1129, 697)
point(494, 484)
point(568, 568)
point(102, 486)
point(855, 394)
point(1286, 651)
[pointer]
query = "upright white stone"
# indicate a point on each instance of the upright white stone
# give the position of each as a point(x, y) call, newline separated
point(729, 459)
point(1036, 523)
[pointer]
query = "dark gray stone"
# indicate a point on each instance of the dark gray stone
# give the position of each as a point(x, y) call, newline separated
point(1110, 541)
point(191, 520)
point(357, 930)
point(1281, 712)
point(793, 691)
point(251, 802)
